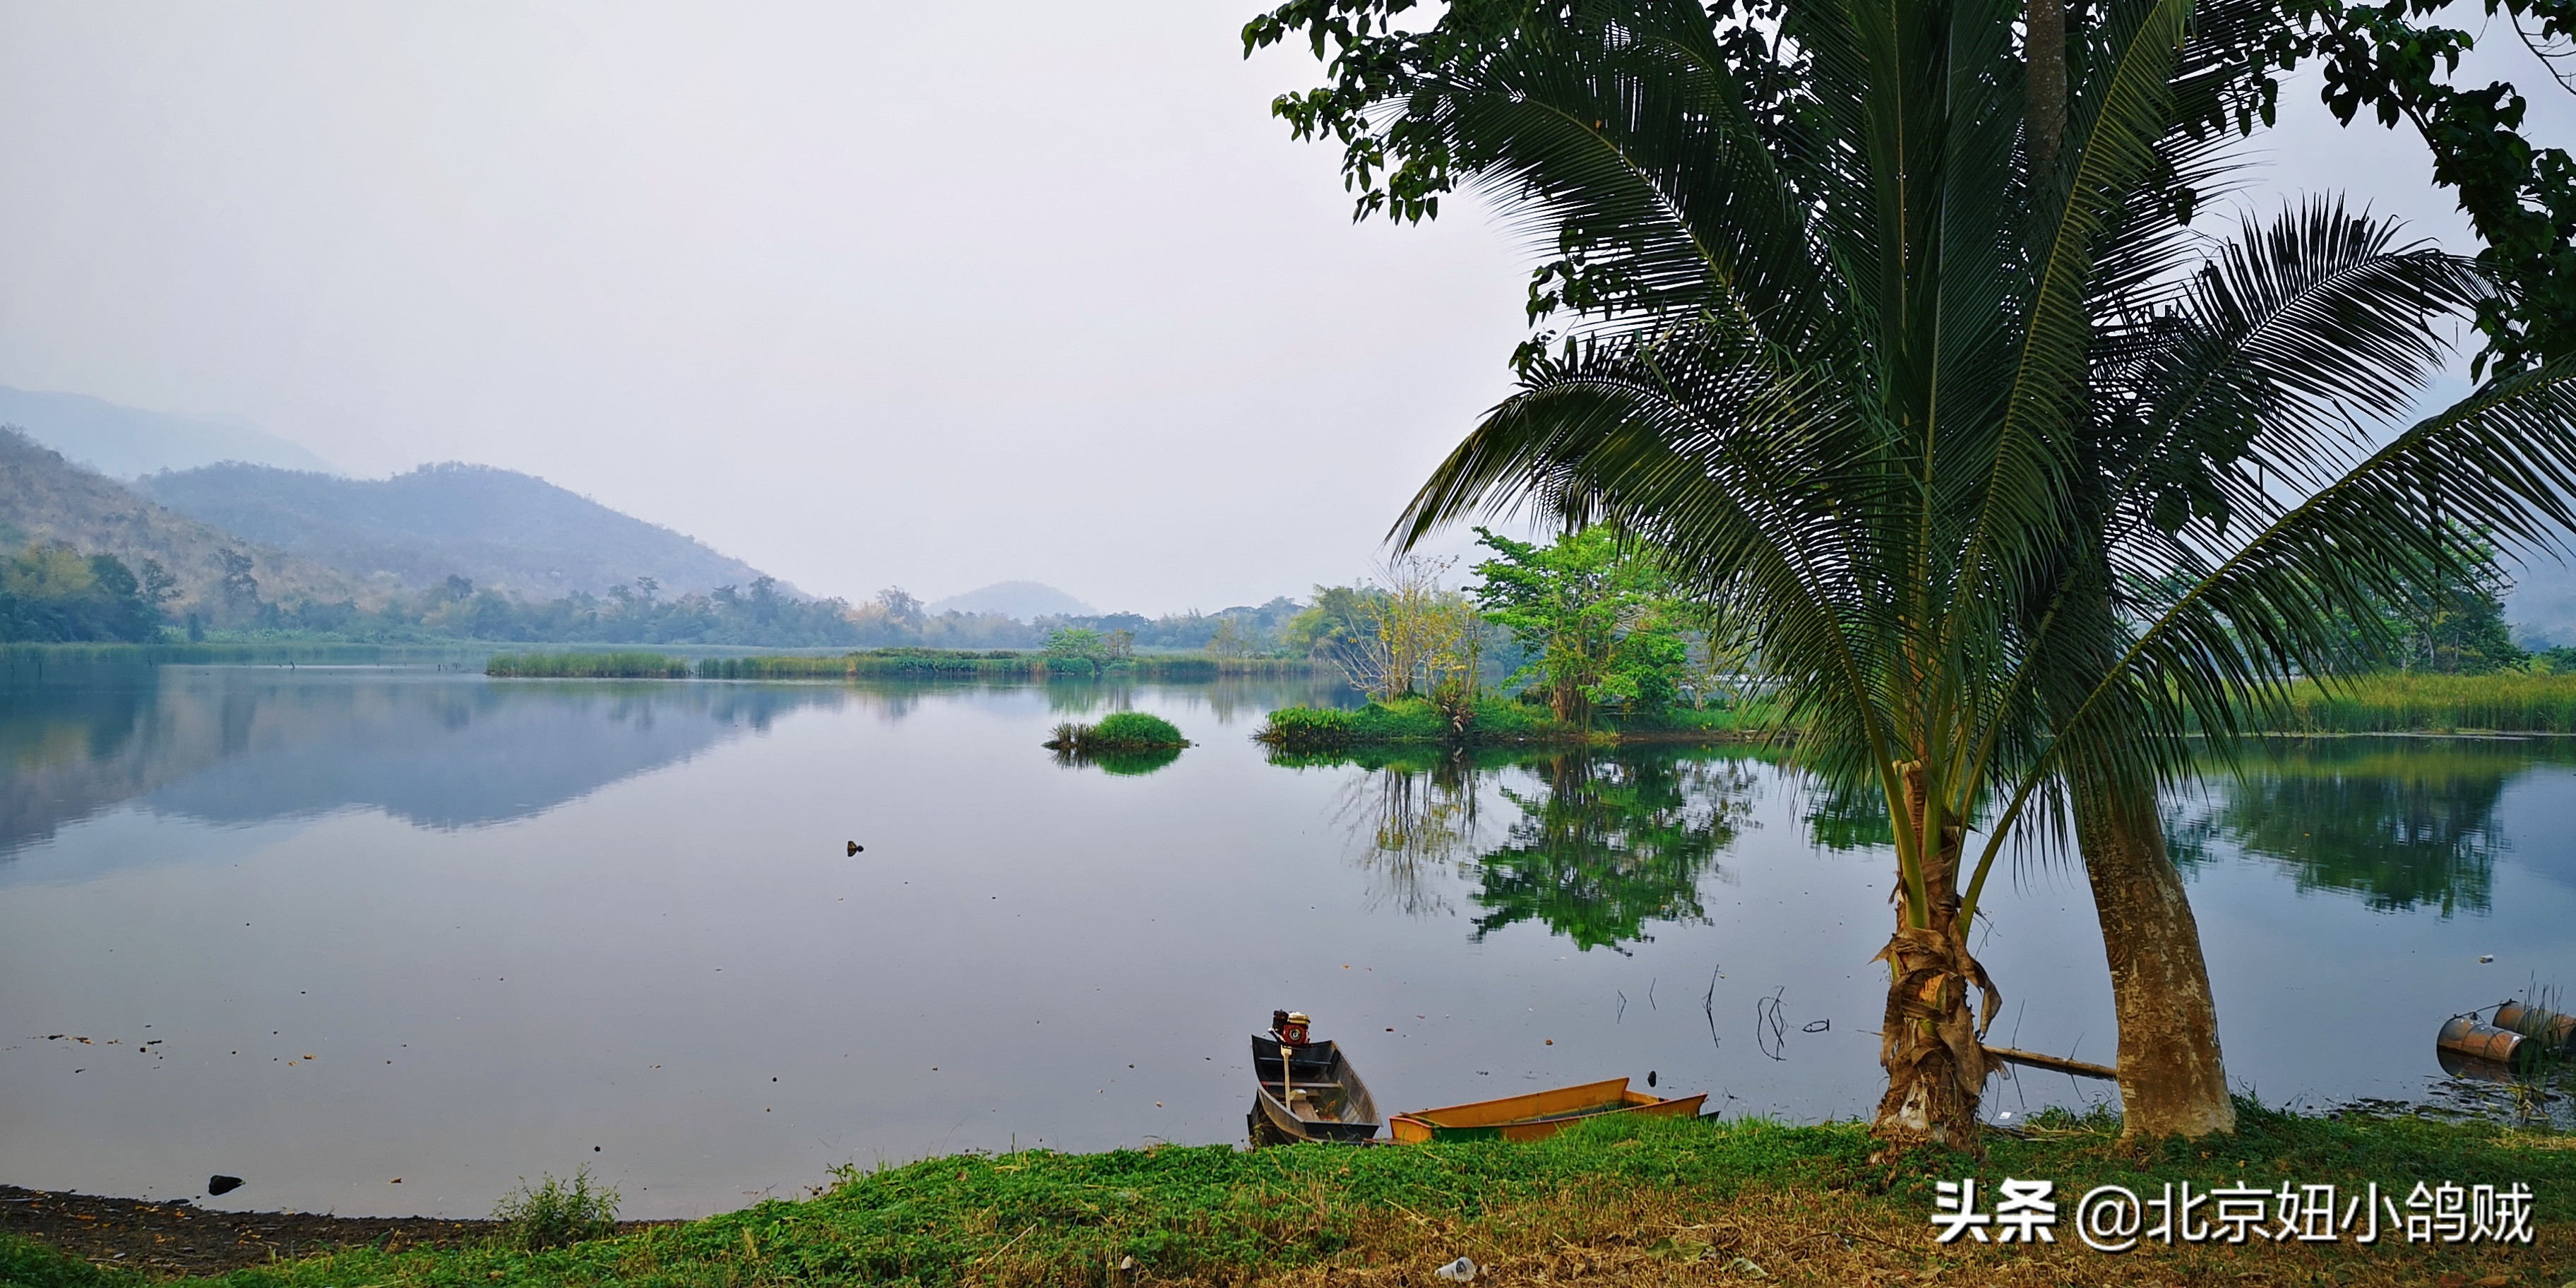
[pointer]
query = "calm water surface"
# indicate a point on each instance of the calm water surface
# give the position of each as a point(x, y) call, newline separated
point(322, 928)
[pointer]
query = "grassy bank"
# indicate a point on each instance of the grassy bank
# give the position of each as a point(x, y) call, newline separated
point(1416, 721)
point(2504, 702)
point(901, 663)
point(1651, 1202)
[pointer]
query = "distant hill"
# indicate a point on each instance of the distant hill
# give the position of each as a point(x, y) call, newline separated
point(123, 442)
point(2542, 603)
point(44, 497)
point(1025, 600)
point(495, 527)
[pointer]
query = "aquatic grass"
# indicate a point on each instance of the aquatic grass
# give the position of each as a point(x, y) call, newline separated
point(587, 666)
point(1610, 1200)
point(1122, 732)
point(2499, 702)
point(961, 664)
point(1496, 722)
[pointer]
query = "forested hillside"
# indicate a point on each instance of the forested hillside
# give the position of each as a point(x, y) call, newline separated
point(495, 528)
point(217, 575)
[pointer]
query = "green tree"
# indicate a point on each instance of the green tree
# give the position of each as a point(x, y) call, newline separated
point(2452, 622)
point(1595, 620)
point(1080, 646)
point(50, 592)
point(2013, 476)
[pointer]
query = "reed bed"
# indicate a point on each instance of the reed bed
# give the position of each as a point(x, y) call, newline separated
point(931, 663)
point(587, 666)
point(1495, 722)
point(2502, 702)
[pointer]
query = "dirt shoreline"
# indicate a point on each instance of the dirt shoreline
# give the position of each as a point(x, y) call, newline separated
point(177, 1237)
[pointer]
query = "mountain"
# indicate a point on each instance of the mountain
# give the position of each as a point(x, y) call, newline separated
point(2542, 603)
point(122, 442)
point(494, 527)
point(1025, 600)
point(44, 497)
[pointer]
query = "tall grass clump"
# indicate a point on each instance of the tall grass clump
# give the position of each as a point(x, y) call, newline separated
point(554, 1214)
point(1307, 729)
point(587, 666)
point(795, 666)
point(2499, 702)
point(1127, 731)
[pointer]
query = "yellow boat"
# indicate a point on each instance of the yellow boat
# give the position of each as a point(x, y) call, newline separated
point(1537, 1115)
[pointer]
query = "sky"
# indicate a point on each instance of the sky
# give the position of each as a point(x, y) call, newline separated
point(866, 294)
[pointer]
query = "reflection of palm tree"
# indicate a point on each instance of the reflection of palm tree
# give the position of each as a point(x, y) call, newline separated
point(1611, 844)
point(2401, 830)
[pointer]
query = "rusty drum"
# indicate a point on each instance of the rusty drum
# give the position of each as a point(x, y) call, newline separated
point(2549, 1028)
point(2463, 1035)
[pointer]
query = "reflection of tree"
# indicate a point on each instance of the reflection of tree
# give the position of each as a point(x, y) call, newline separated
point(2402, 827)
point(1419, 817)
point(1601, 845)
point(1610, 843)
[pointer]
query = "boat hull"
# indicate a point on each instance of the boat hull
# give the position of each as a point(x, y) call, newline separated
point(1538, 1115)
point(1330, 1102)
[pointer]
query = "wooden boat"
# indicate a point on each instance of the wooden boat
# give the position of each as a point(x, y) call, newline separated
point(1538, 1115)
point(1312, 1095)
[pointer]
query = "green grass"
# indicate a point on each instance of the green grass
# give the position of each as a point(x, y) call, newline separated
point(1123, 732)
point(1636, 1194)
point(2503, 702)
point(555, 1214)
point(1407, 721)
point(588, 666)
point(967, 664)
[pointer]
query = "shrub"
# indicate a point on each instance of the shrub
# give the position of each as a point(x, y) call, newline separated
point(554, 1213)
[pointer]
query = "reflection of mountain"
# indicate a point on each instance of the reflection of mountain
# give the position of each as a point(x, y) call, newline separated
point(240, 745)
point(1602, 845)
point(2402, 825)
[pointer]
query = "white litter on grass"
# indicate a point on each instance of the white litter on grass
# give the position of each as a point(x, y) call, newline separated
point(1458, 1272)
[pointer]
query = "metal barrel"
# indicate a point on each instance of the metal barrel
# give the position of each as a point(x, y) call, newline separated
point(2549, 1028)
point(2465, 1036)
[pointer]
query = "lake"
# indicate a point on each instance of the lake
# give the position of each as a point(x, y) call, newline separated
point(327, 927)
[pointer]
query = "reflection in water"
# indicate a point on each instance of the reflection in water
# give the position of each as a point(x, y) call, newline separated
point(2403, 826)
point(1125, 764)
point(244, 745)
point(1599, 846)
point(1419, 816)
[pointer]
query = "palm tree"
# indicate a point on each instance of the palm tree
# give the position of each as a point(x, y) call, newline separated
point(2017, 478)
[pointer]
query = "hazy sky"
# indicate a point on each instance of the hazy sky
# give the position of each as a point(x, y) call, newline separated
point(863, 293)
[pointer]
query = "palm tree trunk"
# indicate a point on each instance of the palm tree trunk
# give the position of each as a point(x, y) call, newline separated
point(2044, 42)
point(1929, 1039)
point(2172, 1082)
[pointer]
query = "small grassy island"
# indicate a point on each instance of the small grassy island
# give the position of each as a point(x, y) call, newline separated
point(1126, 731)
point(1129, 743)
point(1637, 1201)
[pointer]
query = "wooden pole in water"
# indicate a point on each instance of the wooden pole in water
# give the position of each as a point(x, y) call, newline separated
point(1285, 1092)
